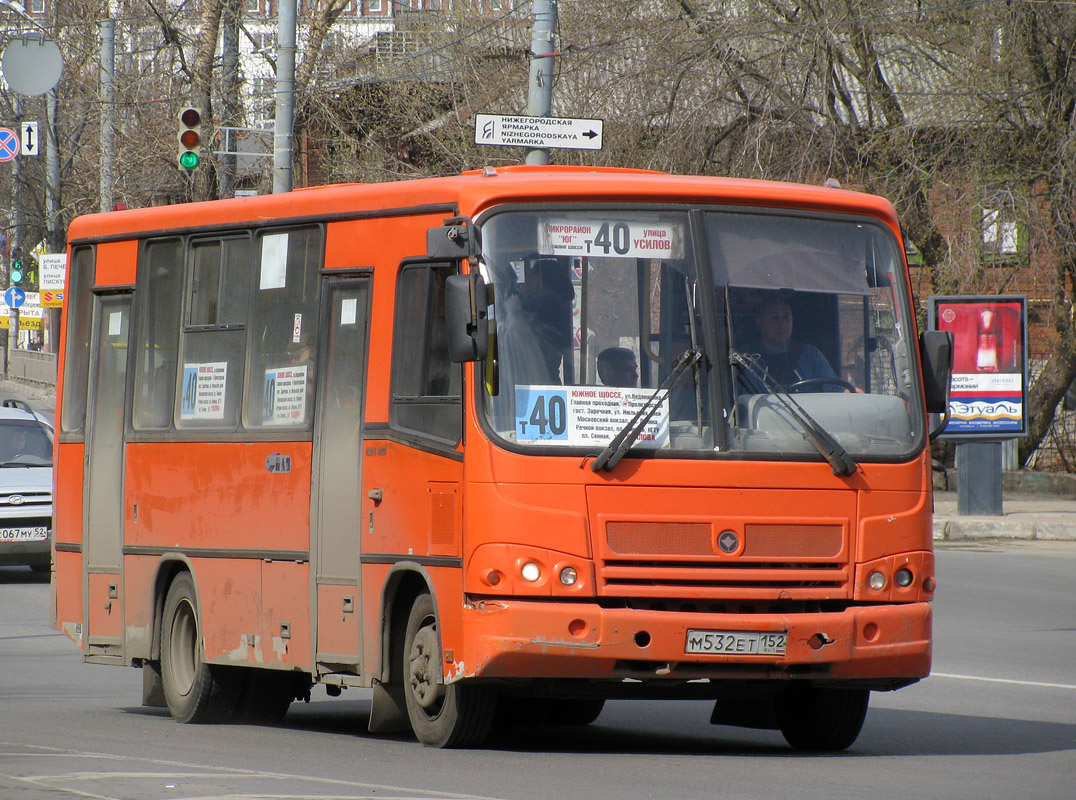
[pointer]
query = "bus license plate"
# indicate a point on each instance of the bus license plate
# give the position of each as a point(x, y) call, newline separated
point(736, 643)
point(37, 534)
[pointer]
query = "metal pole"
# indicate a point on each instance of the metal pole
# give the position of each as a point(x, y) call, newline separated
point(285, 96)
point(229, 66)
point(540, 87)
point(108, 65)
point(16, 240)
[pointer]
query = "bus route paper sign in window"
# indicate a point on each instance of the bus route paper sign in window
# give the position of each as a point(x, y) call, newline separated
point(989, 363)
point(585, 416)
point(285, 396)
point(203, 390)
point(626, 239)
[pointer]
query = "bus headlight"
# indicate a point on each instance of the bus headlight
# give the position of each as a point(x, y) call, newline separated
point(876, 581)
point(531, 572)
point(904, 577)
point(568, 576)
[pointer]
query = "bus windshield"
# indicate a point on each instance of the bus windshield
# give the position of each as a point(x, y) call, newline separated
point(801, 321)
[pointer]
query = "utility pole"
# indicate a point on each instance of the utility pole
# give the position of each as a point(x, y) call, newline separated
point(108, 68)
point(229, 67)
point(540, 87)
point(285, 96)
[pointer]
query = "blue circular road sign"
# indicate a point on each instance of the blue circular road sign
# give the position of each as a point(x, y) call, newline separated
point(9, 144)
point(14, 297)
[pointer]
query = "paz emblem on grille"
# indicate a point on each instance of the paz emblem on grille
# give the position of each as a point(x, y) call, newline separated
point(728, 541)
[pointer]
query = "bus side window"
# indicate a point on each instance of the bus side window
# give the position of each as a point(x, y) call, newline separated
point(156, 340)
point(214, 340)
point(426, 396)
point(283, 329)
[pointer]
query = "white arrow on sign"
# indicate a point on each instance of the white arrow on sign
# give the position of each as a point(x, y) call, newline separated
point(29, 139)
point(562, 132)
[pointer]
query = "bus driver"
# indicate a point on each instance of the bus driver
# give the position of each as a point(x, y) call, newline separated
point(782, 358)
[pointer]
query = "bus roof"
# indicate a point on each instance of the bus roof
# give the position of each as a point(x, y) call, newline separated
point(472, 192)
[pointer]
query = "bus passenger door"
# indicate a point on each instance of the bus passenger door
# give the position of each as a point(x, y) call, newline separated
point(338, 440)
point(103, 501)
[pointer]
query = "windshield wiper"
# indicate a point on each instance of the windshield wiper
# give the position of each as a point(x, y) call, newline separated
point(830, 449)
point(620, 444)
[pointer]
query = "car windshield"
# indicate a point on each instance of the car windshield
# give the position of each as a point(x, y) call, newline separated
point(24, 443)
point(593, 310)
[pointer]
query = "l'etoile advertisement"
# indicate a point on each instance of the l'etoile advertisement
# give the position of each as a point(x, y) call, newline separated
point(989, 363)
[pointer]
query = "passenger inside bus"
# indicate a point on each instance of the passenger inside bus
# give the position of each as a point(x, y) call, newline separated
point(547, 296)
point(617, 367)
point(779, 357)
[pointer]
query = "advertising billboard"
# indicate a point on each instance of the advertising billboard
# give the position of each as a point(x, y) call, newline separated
point(988, 398)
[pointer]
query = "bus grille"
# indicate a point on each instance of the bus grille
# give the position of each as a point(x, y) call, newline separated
point(657, 559)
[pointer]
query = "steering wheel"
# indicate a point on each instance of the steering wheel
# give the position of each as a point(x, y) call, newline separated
point(812, 384)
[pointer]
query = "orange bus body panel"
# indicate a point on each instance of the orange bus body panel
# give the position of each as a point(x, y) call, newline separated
point(192, 495)
point(116, 263)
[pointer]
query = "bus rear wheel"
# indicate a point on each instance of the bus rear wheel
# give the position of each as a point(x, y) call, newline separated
point(456, 715)
point(818, 719)
point(193, 690)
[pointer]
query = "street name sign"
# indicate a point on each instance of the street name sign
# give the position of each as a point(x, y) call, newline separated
point(538, 132)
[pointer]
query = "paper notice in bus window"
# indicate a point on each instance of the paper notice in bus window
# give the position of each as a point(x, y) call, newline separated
point(581, 237)
point(115, 323)
point(285, 396)
point(203, 390)
point(584, 416)
point(274, 261)
point(348, 310)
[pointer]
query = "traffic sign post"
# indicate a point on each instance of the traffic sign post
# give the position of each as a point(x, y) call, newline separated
point(540, 132)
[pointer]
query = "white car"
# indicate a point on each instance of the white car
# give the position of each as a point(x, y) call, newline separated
point(25, 487)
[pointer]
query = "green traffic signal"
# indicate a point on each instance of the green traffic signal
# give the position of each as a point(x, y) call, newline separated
point(16, 272)
point(190, 138)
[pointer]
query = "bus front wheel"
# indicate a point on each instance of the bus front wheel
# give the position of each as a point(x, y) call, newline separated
point(819, 719)
point(454, 715)
point(193, 690)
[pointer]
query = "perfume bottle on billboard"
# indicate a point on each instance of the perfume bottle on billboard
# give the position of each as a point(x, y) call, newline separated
point(989, 341)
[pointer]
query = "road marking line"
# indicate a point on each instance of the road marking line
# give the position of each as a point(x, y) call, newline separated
point(1003, 680)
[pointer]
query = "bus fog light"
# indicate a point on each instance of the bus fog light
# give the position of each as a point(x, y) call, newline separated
point(568, 576)
point(531, 572)
point(904, 577)
point(876, 581)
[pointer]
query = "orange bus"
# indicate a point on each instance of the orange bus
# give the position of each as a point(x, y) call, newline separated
point(499, 447)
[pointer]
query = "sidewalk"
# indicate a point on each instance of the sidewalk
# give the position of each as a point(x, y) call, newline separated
point(1024, 516)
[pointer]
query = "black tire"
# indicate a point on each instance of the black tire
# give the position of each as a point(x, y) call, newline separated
point(267, 695)
point(457, 715)
point(194, 691)
point(815, 719)
point(574, 710)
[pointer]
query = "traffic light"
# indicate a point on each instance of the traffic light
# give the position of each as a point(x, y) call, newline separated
point(190, 138)
point(16, 272)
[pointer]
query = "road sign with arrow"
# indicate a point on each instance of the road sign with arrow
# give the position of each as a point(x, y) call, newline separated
point(538, 132)
point(30, 142)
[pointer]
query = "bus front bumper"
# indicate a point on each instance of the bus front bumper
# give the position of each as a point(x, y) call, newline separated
point(513, 638)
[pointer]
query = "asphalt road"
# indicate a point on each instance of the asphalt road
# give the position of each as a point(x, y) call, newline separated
point(996, 720)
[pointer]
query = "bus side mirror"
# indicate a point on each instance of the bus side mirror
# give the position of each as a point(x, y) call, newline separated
point(456, 239)
point(466, 317)
point(936, 353)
